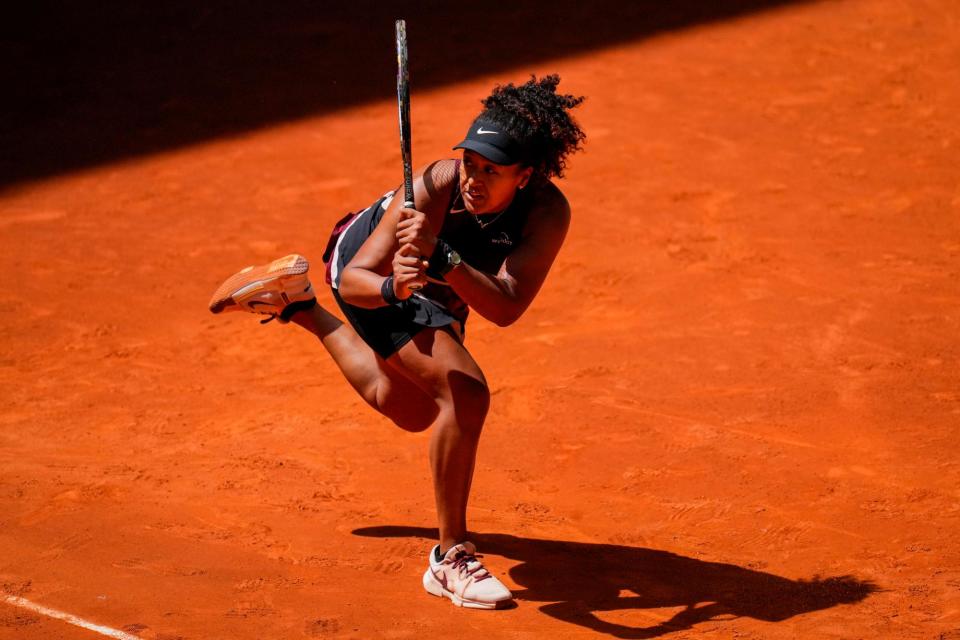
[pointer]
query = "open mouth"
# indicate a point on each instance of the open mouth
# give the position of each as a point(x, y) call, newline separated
point(473, 197)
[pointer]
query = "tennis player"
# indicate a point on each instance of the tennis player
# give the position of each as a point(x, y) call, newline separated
point(484, 232)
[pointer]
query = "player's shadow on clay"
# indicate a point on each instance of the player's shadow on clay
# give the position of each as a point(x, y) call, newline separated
point(580, 580)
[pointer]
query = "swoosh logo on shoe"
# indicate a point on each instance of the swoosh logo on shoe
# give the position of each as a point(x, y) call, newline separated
point(441, 578)
point(253, 303)
point(481, 131)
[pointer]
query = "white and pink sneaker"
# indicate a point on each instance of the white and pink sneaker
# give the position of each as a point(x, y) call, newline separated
point(461, 577)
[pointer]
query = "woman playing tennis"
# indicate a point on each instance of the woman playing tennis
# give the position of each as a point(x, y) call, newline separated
point(483, 235)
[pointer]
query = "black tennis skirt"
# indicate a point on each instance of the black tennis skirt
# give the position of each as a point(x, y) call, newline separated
point(385, 329)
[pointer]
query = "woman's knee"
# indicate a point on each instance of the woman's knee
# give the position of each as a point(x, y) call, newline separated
point(469, 401)
point(406, 406)
point(416, 421)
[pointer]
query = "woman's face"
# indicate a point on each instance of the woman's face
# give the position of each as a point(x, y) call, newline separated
point(488, 187)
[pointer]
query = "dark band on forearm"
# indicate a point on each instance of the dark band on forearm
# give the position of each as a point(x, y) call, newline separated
point(386, 291)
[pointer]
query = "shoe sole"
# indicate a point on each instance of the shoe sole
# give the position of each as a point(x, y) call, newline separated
point(436, 589)
point(292, 265)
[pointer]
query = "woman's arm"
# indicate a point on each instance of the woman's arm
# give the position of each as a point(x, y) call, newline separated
point(503, 298)
point(379, 257)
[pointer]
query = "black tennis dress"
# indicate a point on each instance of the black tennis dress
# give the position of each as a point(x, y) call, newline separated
point(482, 242)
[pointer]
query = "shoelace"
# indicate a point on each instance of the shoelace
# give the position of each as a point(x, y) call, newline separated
point(462, 564)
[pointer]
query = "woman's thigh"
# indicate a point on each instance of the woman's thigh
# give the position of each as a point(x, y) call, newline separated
point(438, 363)
point(402, 401)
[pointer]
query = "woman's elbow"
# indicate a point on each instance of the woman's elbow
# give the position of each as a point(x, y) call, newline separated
point(506, 317)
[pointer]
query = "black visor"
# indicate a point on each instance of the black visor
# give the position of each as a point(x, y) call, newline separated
point(490, 140)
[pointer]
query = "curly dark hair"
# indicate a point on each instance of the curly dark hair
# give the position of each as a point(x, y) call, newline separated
point(538, 117)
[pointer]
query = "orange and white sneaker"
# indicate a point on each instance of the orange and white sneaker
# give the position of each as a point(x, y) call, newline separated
point(278, 289)
point(461, 577)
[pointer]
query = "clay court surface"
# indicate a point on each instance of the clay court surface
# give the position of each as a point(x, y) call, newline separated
point(731, 413)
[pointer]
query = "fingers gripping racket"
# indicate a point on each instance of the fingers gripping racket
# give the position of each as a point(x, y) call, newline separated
point(403, 104)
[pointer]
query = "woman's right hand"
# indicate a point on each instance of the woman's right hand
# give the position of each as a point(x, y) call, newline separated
point(409, 271)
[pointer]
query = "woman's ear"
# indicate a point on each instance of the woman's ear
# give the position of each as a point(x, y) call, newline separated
point(525, 179)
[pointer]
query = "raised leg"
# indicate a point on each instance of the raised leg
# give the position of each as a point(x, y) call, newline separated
point(380, 385)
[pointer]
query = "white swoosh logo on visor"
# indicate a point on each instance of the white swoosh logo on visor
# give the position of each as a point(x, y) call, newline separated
point(481, 132)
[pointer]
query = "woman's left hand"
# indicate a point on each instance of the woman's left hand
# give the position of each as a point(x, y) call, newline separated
point(414, 228)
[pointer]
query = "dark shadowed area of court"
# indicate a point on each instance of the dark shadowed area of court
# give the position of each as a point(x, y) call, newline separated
point(88, 83)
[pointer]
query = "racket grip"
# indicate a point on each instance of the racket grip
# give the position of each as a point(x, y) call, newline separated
point(409, 205)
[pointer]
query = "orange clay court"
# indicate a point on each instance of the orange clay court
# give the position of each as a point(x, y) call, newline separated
point(732, 412)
